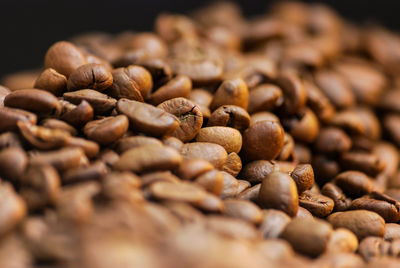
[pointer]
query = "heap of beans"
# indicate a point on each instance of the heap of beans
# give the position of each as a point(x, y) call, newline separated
point(213, 142)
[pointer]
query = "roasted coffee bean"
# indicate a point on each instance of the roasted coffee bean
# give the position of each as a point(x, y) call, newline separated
point(116, 185)
point(303, 176)
point(354, 183)
point(336, 194)
point(173, 142)
point(387, 153)
point(77, 115)
point(51, 81)
point(179, 86)
point(264, 97)
point(95, 171)
point(392, 232)
point(230, 186)
point(243, 185)
point(251, 193)
point(308, 236)
point(192, 168)
point(101, 103)
point(362, 223)
point(279, 191)
point(391, 124)
point(319, 205)
point(303, 213)
point(13, 162)
point(64, 57)
point(388, 211)
point(273, 223)
point(209, 204)
point(148, 157)
point(373, 247)
point(288, 146)
point(189, 115)
point(350, 121)
point(232, 228)
point(109, 157)
point(305, 128)
point(58, 124)
point(263, 140)
point(325, 168)
point(230, 116)
point(294, 93)
point(231, 92)
point(390, 100)
point(256, 171)
point(91, 75)
point(318, 102)
point(364, 162)
point(342, 240)
point(165, 176)
point(332, 140)
point(227, 137)
point(126, 143)
point(106, 130)
point(184, 192)
point(213, 153)
point(202, 98)
point(147, 118)
point(63, 159)
point(12, 206)
point(233, 164)
point(9, 139)
point(243, 209)
point(34, 100)
point(133, 82)
point(211, 181)
point(90, 148)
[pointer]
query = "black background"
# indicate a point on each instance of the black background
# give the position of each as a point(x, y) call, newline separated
point(28, 28)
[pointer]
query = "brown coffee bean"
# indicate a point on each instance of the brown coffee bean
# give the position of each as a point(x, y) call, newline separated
point(209, 204)
point(273, 223)
point(192, 168)
point(318, 102)
point(51, 81)
point(392, 232)
point(211, 181)
point(90, 148)
point(373, 247)
point(109, 157)
point(58, 124)
point(40, 186)
point(279, 191)
point(308, 236)
point(119, 185)
point(354, 183)
point(95, 171)
point(148, 157)
point(302, 153)
point(13, 162)
point(147, 118)
point(293, 91)
point(77, 115)
point(251, 194)
point(264, 97)
point(395, 248)
point(242, 186)
point(325, 168)
point(391, 124)
point(106, 130)
point(185, 192)
point(336, 88)
point(211, 152)
point(230, 186)
point(388, 211)
point(9, 139)
point(263, 140)
point(3, 93)
point(331, 140)
point(202, 98)
point(12, 206)
point(256, 171)
point(342, 240)
point(303, 176)
point(179, 86)
point(319, 205)
point(230, 116)
point(233, 164)
point(350, 121)
point(387, 154)
point(303, 213)
point(165, 176)
point(227, 137)
point(63, 159)
point(304, 127)
point(185, 212)
point(364, 162)
point(158, 68)
point(390, 100)
point(126, 143)
point(34, 100)
point(243, 209)
point(189, 115)
point(362, 223)
point(64, 57)
point(101, 103)
point(173, 142)
point(336, 194)
point(91, 75)
point(231, 92)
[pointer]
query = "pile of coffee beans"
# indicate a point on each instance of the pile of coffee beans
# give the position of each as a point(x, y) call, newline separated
point(213, 141)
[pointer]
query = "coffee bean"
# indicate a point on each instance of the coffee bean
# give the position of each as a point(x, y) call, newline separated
point(273, 223)
point(319, 205)
point(362, 223)
point(387, 154)
point(126, 143)
point(184, 192)
point(392, 232)
point(189, 115)
point(120, 185)
point(294, 93)
point(391, 124)
point(230, 186)
point(148, 119)
point(308, 236)
point(264, 97)
point(64, 57)
point(51, 81)
point(332, 140)
point(373, 247)
point(279, 191)
point(318, 102)
point(211, 152)
point(211, 181)
point(325, 168)
point(165, 176)
point(95, 171)
point(350, 121)
point(256, 171)
point(77, 115)
point(13, 162)
point(230, 116)
point(12, 206)
point(192, 168)
point(210, 204)
point(336, 194)
point(233, 164)
point(303, 176)
point(390, 100)
point(303, 213)
point(107, 130)
point(101, 103)
point(179, 86)
point(227, 137)
point(231, 92)
point(62, 159)
point(202, 98)
point(305, 128)
point(342, 240)
point(354, 183)
point(389, 212)
point(58, 124)
point(91, 75)
point(34, 100)
point(148, 157)
point(232, 228)
point(243, 209)
point(242, 186)
point(263, 140)
point(173, 142)
point(9, 139)
point(251, 193)
point(364, 162)
point(90, 148)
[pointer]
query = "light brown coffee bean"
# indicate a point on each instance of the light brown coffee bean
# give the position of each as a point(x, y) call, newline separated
point(233, 164)
point(279, 191)
point(227, 137)
point(264, 97)
point(392, 232)
point(51, 81)
point(231, 92)
point(184, 192)
point(173, 142)
point(10, 139)
point(107, 130)
point(192, 168)
point(211, 152)
point(189, 115)
point(354, 183)
point(304, 127)
point(92, 75)
point(126, 143)
point(373, 247)
point(12, 206)
point(179, 86)
point(3, 93)
point(230, 116)
point(101, 103)
point(243, 209)
point(211, 181)
point(319, 205)
point(273, 223)
point(304, 213)
point(230, 186)
point(147, 118)
point(13, 162)
point(251, 193)
point(165, 176)
point(342, 240)
point(303, 176)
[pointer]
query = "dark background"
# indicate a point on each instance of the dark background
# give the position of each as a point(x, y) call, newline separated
point(28, 28)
